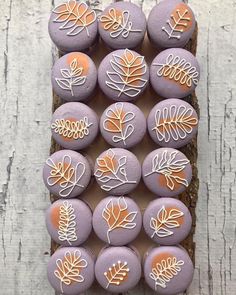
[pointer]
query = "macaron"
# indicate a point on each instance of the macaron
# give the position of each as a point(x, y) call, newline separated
point(70, 270)
point(123, 125)
point(168, 270)
point(171, 23)
point(66, 173)
point(69, 222)
point(123, 75)
point(73, 26)
point(74, 77)
point(122, 25)
point(174, 73)
point(167, 221)
point(117, 220)
point(74, 125)
point(117, 171)
point(118, 269)
point(172, 123)
point(166, 172)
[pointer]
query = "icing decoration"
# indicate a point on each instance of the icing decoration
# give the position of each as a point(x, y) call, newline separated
point(116, 274)
point(164, 271)
point(64, 175)
point(118, 23)
point(75, 17)
point(174, 122)
point(116, 121)
point(67, 223)
point(112, 169)
point(71, 77)
point(164, 222)
point(168, 166)
point(68, 269)
point(72, 129)
point(117, 216)
point(126, 77)
point(179, 70)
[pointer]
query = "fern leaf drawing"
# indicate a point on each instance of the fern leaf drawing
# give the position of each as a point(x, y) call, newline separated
point(168, 166)
point(174, 122)
point(68, 269)
point(164, 222)
point(164, 271)
point(116, 274)
point(126, 75)
point(67, 223)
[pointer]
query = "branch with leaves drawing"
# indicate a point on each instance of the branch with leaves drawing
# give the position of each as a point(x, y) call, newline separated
point(115, 274)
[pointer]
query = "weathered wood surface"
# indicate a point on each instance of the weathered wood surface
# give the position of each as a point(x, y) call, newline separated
point(25, 104)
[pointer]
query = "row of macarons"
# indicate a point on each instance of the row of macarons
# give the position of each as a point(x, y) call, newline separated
point(74, 26)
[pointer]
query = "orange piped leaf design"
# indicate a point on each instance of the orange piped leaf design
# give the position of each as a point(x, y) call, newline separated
point(117, 273)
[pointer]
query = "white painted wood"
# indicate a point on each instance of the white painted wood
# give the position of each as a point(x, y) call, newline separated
point(25, 105)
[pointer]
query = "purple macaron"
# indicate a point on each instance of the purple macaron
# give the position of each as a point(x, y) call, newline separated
point(174, 73)
point(74, 77)
point(168, 270)
point(123, 75)
point(118, 269)
point(73, 26)
point(123, 125)
point(122, 25)
point(167, 221)
point(172, 123)
point(117, 220)
point(117, 171)
point(74, 125)
point(69, 222)
point(166, 172)
point(66, 174)
point(71, 270)
point(171, 23)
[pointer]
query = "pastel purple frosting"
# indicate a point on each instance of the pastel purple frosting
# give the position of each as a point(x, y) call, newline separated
point(167, 221)
point(128, 220)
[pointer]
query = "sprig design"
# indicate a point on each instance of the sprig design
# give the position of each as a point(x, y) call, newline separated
point(111, 171)
point(168, 166)
point(127, 72)
point(165, 221)
point(116, 122)
point(118, 216)
point(75, 17)
point(179, 70)
point(174, 122)
point(71, 77)
point(65, 175)
point(68, 269)
point(118, 24)
point(164, 271)
point(67, 223)
point(116, 274)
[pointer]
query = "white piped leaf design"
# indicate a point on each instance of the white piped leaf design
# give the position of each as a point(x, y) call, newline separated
point(116, 274)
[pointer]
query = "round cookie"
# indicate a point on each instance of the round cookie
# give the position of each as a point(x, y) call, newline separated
point(123, 125)
point(73, 26)
point(81, 265)
point(112, 260)
point(174, 73)
point(166, 172)
point(117, 171)
point(117, 220)
point(168, 270)
point(172, 123)
point(123, 75)
point(69, 222)
point(171, 23)
point(66, 174)
point(122, 25)
point(74, 125)
point(167, 221)
point(74, 77)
